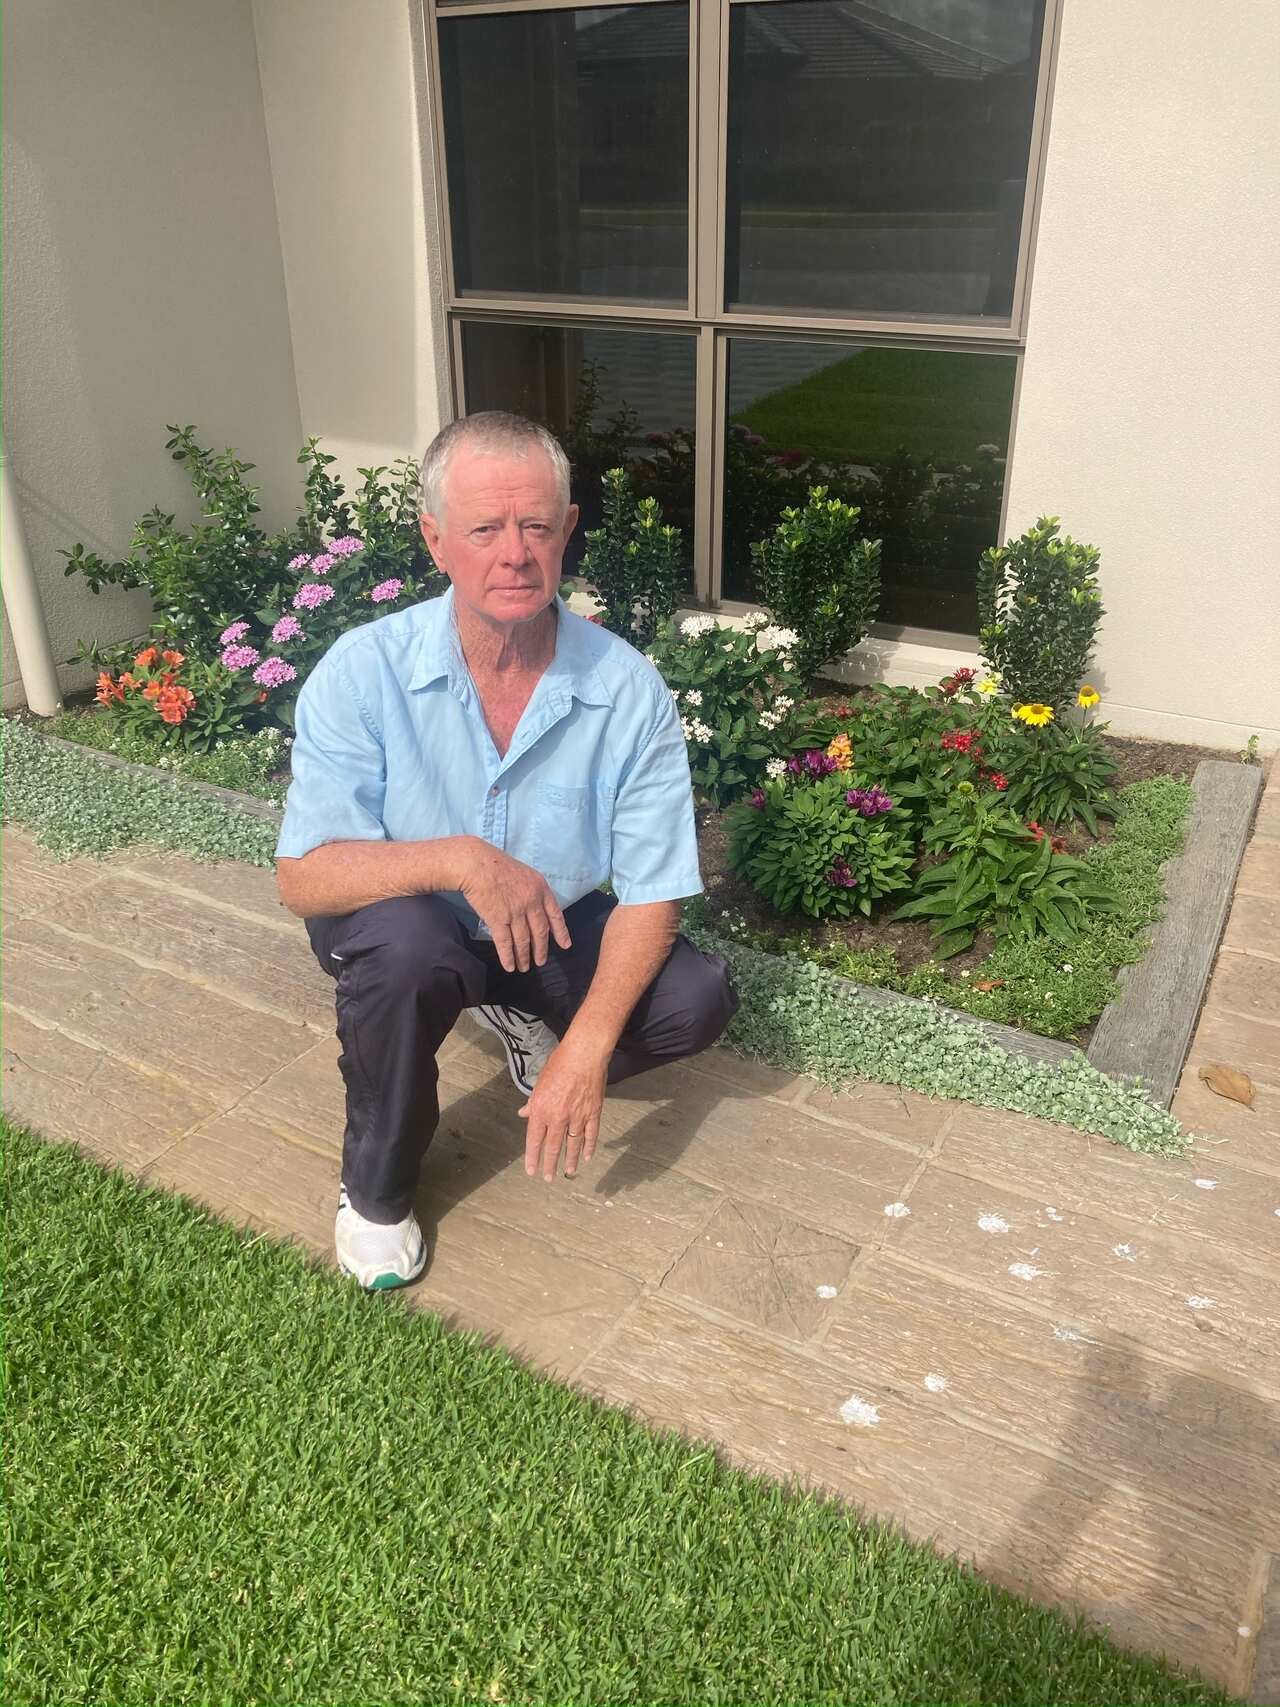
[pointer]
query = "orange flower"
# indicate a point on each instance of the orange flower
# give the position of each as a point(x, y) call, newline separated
point(175, 703)
point(108, 689)
point(128, 680)
point(174, 658)
point(146, 658)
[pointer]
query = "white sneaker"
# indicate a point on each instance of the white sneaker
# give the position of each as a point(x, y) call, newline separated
point(527, 1041)
point(376, 1255)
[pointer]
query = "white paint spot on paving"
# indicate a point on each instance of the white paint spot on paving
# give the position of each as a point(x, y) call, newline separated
point(826, 1291)
point(858, 1411)
point(1053, 1214)
point(1244, 1630)
point(936, 1383)
point(1206, 1184)
point(1126, 1252)
point(1196, 1302)
point(1024, 1271)
point(993, 1224)
point(895, 1211)
point(1066, 1334)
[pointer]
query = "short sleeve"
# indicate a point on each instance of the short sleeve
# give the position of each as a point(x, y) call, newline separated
point(655, 845)
point(339, 768)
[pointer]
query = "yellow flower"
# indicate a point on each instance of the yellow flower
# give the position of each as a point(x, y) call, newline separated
point(841, 750)
point(1088, 696)
point(987, 686)
point(1036, 715)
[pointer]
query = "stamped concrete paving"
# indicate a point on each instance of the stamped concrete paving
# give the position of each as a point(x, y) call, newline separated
point(1052, 1357)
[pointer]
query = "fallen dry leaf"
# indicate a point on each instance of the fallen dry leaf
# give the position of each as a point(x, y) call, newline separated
point(1228, 1082)
point(989, 984)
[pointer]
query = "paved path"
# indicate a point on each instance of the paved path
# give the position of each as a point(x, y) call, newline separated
point(1058, 1359)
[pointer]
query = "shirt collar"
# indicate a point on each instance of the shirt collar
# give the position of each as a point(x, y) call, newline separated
point(573, 672)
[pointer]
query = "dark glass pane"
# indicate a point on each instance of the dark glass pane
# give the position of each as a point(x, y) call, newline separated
point(878, 154)
point(610, 397)
point(916, 438)
point(567, 147)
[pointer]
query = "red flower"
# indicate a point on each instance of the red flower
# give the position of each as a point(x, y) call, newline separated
point(962, 741)
point(109, 690)
point(152, 690)
point(998, 780)
point(964, 677)
point(146, 658)
point(174, 658)
point(175, 703)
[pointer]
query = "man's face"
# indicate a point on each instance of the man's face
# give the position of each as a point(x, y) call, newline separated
point(502, 536)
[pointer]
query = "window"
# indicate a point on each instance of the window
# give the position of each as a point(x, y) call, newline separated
point(748, 246)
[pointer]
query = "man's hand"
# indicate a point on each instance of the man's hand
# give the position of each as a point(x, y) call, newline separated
point(514, 901)
point(564, 1110)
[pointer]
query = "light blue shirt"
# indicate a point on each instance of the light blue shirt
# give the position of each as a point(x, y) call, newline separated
point(391, 745)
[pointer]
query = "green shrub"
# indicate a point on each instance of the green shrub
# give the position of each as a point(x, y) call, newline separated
point(820, 578)
point(633, 564)
point(821, 847)
point(1058, 773)
point(213, 573)
point(735, 689)
point(1038, 611)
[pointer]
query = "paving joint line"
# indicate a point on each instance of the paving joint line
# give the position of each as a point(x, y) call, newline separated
point(289, 925)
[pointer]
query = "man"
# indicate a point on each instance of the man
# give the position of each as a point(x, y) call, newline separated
point(466, 773)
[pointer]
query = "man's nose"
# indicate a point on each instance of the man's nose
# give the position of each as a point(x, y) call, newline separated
point(511, 546)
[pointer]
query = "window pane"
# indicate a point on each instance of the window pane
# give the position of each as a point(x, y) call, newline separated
point(567, 147)
point(609, 396)
point(916, 438)
point(878, 154)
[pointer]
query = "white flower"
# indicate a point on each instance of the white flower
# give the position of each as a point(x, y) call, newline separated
point(782, 703)
point(754, 619)
point(728, 646)
point(701, 732)
point(693, 697)
point(776, 768)
point(776, 639)
point(987, 686)
point(1068, 967)
point(770, 719)
point(686, 729)
point(693, 626)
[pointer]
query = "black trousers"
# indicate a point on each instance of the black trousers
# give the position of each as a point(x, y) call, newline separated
point(406, 968)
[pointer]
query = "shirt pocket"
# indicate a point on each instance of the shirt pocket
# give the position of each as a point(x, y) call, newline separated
point(569, 835)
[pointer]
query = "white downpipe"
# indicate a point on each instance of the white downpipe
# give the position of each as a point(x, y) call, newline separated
point(22, 606)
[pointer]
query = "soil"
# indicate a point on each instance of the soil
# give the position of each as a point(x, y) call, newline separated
point(910, 941)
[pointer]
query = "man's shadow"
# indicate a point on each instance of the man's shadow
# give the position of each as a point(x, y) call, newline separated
point(1154, 1519)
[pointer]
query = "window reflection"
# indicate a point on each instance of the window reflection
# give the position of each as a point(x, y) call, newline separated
point(916, 438)
point(567, 144)
point(878, 154)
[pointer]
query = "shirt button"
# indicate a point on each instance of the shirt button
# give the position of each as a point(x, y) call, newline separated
point(494, 789)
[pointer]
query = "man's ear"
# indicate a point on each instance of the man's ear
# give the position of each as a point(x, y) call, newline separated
point(430, 530)
point(570, 522)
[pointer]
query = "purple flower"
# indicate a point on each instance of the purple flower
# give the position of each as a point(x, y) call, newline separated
point(345, 546)
point(814, 763)
point(230, 635)
point(288, 628)
point(240, 657)
point(385, 590)
point(273, 671)
point(840, 877)
point(321, 565)
point(311, 594)
point(869, 802)
point(757, 799)
point(299, 562)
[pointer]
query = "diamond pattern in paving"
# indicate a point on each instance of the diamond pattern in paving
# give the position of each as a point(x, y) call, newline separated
point(1042, 1353)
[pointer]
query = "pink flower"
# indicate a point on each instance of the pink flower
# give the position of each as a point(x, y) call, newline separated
point(273, 671)
point(345, 546)
point(321, 565)
point(299, 562)
point(385, 590)
point(230, 635)
point(240, 657)
point(311, 594)
point(288, 628)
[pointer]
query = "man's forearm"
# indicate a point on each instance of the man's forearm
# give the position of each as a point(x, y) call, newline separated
point(633, 950)
point(340, 877)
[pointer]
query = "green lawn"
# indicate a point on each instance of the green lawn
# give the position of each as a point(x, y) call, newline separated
point(231, 1478)
point(936, 403)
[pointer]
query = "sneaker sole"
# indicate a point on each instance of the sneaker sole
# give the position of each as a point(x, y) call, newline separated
point(384, 1282)
point(516, 1058)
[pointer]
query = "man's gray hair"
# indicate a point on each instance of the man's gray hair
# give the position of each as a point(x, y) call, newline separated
point(492, 432)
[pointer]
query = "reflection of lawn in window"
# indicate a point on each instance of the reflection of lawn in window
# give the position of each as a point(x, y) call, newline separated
point(937, 404)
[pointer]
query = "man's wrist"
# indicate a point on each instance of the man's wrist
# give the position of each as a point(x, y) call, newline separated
point(592, 1034)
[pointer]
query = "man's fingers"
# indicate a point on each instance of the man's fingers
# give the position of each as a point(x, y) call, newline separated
point(558, 927)
point(520, 942)
point(501, 935)
point(552, 1144)
point(539, 930)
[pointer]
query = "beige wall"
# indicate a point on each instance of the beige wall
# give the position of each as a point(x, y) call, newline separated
point(142, 280)
point(1149, 417)
point(345, 111)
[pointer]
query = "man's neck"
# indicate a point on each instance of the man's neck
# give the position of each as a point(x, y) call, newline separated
point(522, 648)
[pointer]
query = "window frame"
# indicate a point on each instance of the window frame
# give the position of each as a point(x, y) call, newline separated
point(704, 312)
